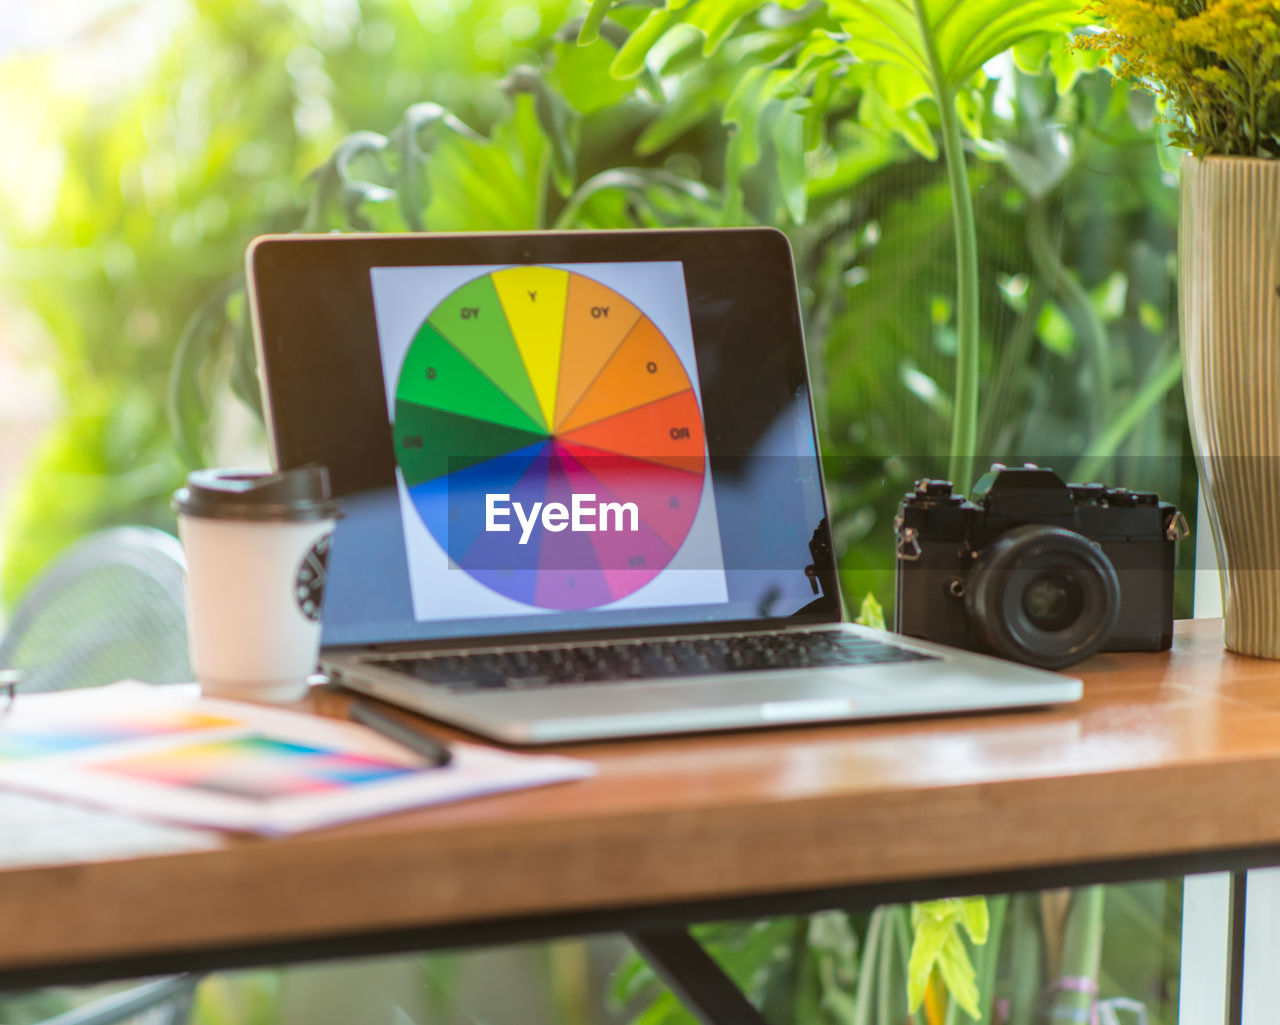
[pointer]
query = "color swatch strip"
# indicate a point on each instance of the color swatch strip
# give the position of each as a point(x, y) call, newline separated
point(256, 767)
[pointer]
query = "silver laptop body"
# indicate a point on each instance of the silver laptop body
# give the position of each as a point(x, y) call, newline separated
point(957, 681)
point(670, 370)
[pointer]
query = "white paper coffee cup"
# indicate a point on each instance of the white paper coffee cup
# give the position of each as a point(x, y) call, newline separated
point(256, 545)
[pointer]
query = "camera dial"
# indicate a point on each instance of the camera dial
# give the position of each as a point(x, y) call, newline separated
point(1088, 492)
point(1043, 595)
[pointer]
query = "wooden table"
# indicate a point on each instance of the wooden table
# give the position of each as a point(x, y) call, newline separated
point(1168, 766)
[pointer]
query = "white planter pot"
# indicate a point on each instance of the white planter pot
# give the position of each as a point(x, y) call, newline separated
point(1229, 299)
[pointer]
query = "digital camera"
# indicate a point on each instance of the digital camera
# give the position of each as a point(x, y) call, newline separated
point(1036, 570)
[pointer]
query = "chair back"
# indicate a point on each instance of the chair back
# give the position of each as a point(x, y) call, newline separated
point(111, 607)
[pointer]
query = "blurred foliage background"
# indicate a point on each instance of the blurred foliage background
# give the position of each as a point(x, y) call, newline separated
point(141, 155)
point(127, 203)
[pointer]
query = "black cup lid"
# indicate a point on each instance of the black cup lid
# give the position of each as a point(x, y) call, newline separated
point(289, 496)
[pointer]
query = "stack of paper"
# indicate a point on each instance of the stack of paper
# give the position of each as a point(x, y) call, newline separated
point(166, 753)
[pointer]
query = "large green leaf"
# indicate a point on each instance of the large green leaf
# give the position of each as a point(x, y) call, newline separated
point(714, 20)
point(885, 117)
point(624, 197)
point(413, 140)
point(489, 185)
point(558, 121)
point(581, 72)
point(944, 43)
point(697, 86)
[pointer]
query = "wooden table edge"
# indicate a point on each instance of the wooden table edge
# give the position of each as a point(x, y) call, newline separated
point(395, 885)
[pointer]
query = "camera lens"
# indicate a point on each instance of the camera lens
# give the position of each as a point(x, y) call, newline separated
point(1043, 595)
point(1053, 601)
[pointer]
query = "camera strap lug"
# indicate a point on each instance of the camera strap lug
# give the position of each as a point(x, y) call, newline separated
point(908, 546)
point(1177, 527)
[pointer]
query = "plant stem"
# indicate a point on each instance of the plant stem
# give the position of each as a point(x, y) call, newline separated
point(1072, 295)
point(187, 409)
point(1081, 953)
point(953, 1011)
point(866, 966)
point(795, 968)
point(989, 958)
point(1153, 390)
point(964, 435)
point(1027, 948)
point(1009, 371)
point(570, 982)
point(902, 930)
point(884, 982)
point(540, 195)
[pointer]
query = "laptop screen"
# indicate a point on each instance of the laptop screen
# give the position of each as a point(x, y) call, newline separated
point(571, 433)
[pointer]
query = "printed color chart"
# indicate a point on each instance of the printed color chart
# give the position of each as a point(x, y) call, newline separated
point(256, 767)
point(168, 754)
point(30, 739)
point(541, 384)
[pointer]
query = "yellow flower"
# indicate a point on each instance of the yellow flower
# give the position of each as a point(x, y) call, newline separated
point(1214, 63)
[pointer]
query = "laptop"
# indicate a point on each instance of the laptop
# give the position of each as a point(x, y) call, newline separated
point(581, 488)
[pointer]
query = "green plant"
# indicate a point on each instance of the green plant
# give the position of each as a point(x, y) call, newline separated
point(912, 50)
point(1215, 64)
point(243, 998)
point(535, 149)
point(801, 971)
point(805, 101)
point(128, 198)
point(1077, 220)
point(937, 946)
point(750, 113)
point(1033, 154)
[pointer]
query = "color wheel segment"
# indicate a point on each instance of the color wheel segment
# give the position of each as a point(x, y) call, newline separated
point(542, 384)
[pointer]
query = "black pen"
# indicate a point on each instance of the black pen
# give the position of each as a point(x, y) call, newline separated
point(436, 753)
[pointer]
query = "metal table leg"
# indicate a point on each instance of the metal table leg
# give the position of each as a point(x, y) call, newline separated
point(694, 977)
point(1235, 947)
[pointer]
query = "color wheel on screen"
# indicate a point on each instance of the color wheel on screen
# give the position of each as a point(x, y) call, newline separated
point(540, 383)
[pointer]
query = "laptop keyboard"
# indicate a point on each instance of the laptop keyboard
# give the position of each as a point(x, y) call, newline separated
point(644, 660)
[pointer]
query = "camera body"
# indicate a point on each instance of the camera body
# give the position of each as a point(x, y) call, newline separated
point(1036, 570)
